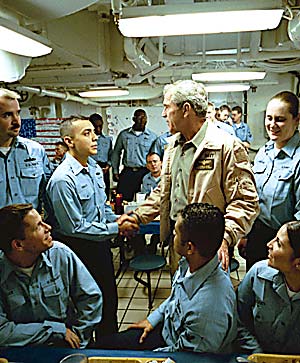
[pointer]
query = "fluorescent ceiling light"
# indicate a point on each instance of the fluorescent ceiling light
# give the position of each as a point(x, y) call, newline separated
point(114, 92)
point(228, 76)
point(234, 87)
point(201, 18)
point(18, 40)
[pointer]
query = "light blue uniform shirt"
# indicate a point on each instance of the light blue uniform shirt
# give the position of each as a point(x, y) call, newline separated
point(136, 148)
point(243, 132)
point(34, 310)
point(200, 313)
point(104, 149)
point(149, 183)
point(23, 173)
point(268, 318)
point(78, 201)
point(277, 176)
point(160, 143)
point(225, 127)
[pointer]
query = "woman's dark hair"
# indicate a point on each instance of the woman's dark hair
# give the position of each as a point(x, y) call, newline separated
point(290, 99)
point(293, 232)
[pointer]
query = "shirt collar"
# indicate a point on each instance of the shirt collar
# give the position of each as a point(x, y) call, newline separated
point(196, 140)
point(18, 141)
point(75, 165)
point(277, 278)
point(289, 148)
point(8, 267)
point(193, 282)
point(146, 131)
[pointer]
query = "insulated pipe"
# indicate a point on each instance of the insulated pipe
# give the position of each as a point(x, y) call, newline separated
point(62, 95)
point(136, 56)
point(245, 56)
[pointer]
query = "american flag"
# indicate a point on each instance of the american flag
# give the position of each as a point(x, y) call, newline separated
point(43, 130)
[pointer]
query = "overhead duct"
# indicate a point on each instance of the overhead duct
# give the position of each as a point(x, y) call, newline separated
point(135, 55)
point(294, 30)
point(66, 96)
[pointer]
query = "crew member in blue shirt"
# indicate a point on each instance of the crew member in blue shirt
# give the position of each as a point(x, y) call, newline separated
point(200, 313)
point(277, 175)
point(48, 297)
point(161, 142)
point(211, 116)
point(151, 180)
point(104, 149)
point(135, 142)
point(269, 297)
point(80, 216)
point(241, 129)
point(24, 166)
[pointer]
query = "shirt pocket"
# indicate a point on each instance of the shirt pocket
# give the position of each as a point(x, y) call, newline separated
point(54, 296)
point(31, 179)
point(284, 184)
point(264, 316)
point(85, 191)
point(16, 309)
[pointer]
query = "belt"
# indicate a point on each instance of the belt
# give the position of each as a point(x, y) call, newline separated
point(134, 169)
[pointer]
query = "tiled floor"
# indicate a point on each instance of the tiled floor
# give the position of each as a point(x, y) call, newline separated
point(133, 297)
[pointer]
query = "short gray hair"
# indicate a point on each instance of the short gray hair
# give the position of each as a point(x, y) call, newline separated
point(6, 93)
point(189, 91)
point(66, 126)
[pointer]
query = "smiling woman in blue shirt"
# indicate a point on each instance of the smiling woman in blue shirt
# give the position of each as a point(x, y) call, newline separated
point(269, 297)
point(277, 174)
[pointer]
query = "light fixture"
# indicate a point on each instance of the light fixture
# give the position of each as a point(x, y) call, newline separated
point(228, 87)
point(200, 18)
point(223, 76)
point(104, 92)
point(18, 40)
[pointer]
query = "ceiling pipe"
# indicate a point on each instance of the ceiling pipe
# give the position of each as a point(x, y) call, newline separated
point(136, 56)
point(66, 96)
point(245, 56)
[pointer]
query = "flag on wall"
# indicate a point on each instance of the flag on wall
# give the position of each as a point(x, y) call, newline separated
point(43, 130)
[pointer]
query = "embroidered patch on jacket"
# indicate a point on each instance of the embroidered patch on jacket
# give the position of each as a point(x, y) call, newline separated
point(204, 164)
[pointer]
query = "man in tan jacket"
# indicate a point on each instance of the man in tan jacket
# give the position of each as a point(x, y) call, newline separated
point(201, 164)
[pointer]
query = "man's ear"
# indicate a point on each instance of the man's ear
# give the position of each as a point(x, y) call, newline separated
point(69, 141)
point(17, 245)
point(190, 248)
point(297, 263)
point(187, 109)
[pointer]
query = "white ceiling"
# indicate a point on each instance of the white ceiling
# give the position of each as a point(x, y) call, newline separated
point(88, 50)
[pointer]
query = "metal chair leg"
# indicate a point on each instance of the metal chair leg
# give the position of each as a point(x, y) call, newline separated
point(149, 291)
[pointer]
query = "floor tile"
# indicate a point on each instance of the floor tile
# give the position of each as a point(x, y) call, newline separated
point(132, 316)
point(127, 283)
point(142, 292)
point(120, 314)
point(163, 283)
point(162, 293)
point(125, 292)
point(124, 326)
point(123, 302)
point(138, 304)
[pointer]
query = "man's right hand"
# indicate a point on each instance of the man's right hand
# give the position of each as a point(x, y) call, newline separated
point(142, 324)
point(72, 339)
point(116, 177)
point(128, 225)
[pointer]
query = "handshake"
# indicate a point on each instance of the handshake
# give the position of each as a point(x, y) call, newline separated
point(128, 225)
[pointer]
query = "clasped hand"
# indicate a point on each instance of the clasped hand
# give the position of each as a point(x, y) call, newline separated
point(128, 225)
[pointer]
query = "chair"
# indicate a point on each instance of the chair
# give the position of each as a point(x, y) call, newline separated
point(234, 266)
point(147, 264)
